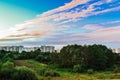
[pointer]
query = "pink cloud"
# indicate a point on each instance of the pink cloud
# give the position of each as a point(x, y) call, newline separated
point(67, 6)
point(100, 35)
point(48, 23)
point(92, 27)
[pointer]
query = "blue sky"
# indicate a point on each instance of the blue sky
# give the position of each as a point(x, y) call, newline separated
point(59, 22)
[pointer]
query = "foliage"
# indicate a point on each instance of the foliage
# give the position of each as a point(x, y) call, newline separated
point(66, 74)
point(77, 58)
point(116, 69)
point(79, 68)
point(41, 72)
point(43, 57)
point(51, 73)
point(90, 71)
point(9, 72)
point(5, 59)
point(28, 55)
point(6, 70)
point(97, 57)
point(24, 73)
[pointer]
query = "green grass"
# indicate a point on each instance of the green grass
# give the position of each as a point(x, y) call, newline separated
point(67, 74)
point(39, 66)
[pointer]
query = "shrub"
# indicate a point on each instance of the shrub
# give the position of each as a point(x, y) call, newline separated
point(116, 69)
point(24, 73)
point(47, 73)
point(79, 68)
point(51, 74)
point(41, 72)
point(7, 70)
point(90, 71)
point(5, 59)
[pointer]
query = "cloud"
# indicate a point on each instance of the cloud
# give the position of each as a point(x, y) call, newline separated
point(92, 27)
point(109, 1)
point(55, 22)
point(102, 35)
point(66, 15)
point(107, 34)
point(67, 6)
point(107, 10)
point(111, 22)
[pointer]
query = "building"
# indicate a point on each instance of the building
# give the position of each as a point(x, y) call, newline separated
point(12, 48)
point(116, 50)
point(47, 48)
point(36, 48)
point(58, 50)
point(27, 49)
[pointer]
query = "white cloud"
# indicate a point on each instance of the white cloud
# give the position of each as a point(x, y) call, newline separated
point(67, 6)
point(92, 27)
point(109, 1)
point(54, 21)
point(111, 22)
point(102, 35)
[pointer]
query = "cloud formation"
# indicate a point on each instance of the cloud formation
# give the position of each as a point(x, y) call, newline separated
point(53, 26)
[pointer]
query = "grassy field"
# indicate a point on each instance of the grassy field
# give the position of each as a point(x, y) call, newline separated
point(66, 74)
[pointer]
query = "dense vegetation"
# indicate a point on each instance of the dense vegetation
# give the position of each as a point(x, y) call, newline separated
point(76, 58)
point(8, 71)
point(97, 57)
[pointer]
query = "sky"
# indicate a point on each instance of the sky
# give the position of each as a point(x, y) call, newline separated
point(60, 22)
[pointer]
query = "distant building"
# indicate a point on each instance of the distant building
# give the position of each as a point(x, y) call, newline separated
point(58, 50)
point(47, 48)
point(27, 49)
point(12, 48)
point(116, 50)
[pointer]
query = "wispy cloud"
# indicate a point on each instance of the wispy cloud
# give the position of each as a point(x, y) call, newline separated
point(101, 35)
point(111, 22)
point(92, 27)
point(54, 22)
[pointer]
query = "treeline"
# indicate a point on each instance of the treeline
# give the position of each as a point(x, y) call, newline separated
point(83, 58)
point(77, 57)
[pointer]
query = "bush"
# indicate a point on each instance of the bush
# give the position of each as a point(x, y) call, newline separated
point(48, 73)
point(7, 70)
point(79, 68)
point(5, 59)
point(90, 71)
point(41, 72)
point(51, 74)
point(24, 73)
point(116, 69)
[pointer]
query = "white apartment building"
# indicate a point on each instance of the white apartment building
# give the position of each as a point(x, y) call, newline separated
point(12, 48)
point(27, 49)
point(116, 50)
point(47, 48)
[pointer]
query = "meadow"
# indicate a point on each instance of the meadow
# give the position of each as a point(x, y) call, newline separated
point(66, 74)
